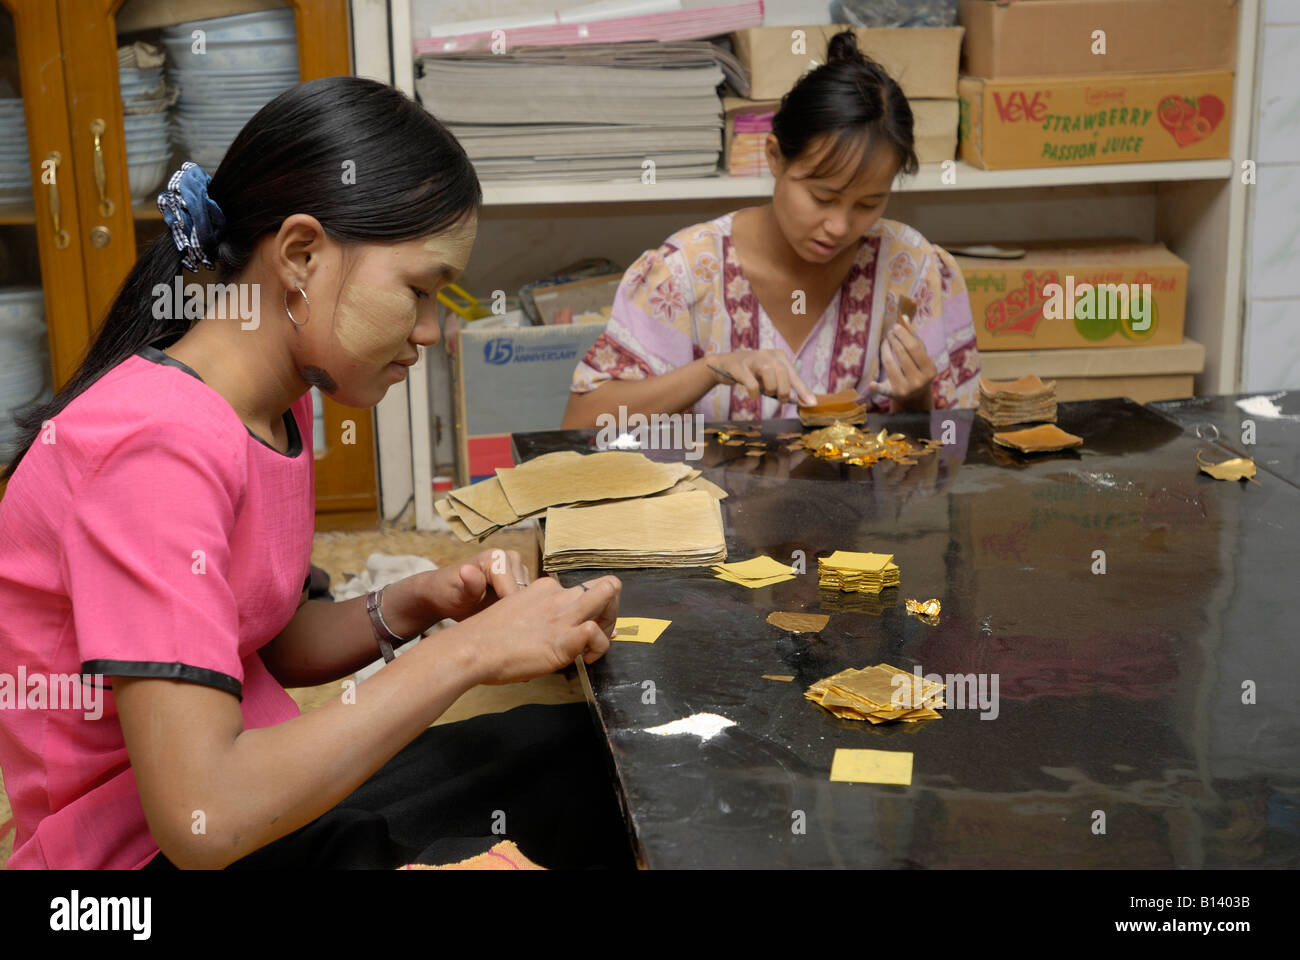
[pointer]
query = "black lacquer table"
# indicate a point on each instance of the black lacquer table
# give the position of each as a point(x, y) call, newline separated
point(1273, 442)
point(1157, 701)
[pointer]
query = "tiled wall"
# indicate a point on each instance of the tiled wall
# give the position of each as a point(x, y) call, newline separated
point(1271, 348)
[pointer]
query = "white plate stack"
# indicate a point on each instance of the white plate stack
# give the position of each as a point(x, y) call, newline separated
point(148, 147)
point(15, 165)
point(23, 344)
point(225, 74)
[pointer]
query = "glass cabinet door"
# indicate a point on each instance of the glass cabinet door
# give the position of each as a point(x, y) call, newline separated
point(43, 321)
point(157, 82)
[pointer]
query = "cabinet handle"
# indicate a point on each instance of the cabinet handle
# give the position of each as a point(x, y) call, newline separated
point(61, 238)
point(97, 129)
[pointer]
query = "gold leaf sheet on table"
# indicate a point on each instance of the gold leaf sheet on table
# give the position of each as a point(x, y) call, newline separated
point(609, 475)
point(1238, 468)
point(639, 629)
point(756, 572)
point(872, 766)
point(798, 622)
point(1042, 439)
point(684, 530)
point(877, 694)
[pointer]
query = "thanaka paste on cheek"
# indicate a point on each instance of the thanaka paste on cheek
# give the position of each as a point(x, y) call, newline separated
point(372, 324)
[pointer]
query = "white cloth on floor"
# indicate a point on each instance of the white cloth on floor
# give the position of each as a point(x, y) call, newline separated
point(381, 570)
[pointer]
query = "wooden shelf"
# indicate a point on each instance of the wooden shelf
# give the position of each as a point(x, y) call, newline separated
point(528, 192)
point(17, 213)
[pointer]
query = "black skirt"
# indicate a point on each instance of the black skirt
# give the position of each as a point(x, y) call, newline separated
point(537, 775)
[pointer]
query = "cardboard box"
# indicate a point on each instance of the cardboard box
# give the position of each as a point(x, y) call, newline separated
point(508, 380)
point(922, 59)
point(1083, 295)
point(1052, 38)
point(934, 131)
point(1066, 121)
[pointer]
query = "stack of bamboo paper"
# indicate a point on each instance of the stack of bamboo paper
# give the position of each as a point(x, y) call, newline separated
point(683, 530)
point(860, 572)
point(1027, 400)
point(567, 477)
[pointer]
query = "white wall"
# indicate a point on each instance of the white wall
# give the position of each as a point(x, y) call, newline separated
point(1271, 345)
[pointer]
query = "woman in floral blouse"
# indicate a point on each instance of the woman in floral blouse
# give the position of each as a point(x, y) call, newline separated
point(789, 299)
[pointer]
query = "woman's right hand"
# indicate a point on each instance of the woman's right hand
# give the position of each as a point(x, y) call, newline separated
point(542, 628)
point(768, 372)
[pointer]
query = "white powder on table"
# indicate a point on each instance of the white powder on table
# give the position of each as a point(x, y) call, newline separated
point(702, 725)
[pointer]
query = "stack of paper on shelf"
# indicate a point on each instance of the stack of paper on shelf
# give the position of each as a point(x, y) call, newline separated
point(1027, 400)
point(480, 509)
point(857, 572)
point(684, 530)
point(593, 112)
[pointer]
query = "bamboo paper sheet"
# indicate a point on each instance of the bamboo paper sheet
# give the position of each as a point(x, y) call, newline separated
point(872, 766)
point(684, 530)
point(610, 475)
point(447, 512)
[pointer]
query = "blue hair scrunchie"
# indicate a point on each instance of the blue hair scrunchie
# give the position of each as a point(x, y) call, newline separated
point(195, 220)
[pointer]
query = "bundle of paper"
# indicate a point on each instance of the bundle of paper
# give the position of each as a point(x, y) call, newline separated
point(857, 572)
point(877, 694)
point(842, 407)
point(845, 442)
point(476, 511)
point(762, 571)
point(684, 530)
point(1039, 439)
point(1027, 400)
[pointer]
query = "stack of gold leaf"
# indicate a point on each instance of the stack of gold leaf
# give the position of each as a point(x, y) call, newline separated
point(860, 572)
point(878, 694)
point(762, 571)
point(683, 530)
point(843, 441)
point(480, 509)
point(1027, 400)
point(842, 407)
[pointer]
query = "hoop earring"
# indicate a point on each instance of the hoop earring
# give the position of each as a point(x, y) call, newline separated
point(288, 311)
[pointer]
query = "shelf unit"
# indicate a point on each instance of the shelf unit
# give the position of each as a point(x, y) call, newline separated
point(1197, 208)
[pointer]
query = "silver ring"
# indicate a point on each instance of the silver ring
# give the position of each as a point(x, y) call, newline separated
point(1203, 431)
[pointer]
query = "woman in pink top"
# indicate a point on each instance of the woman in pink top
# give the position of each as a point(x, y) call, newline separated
point(156, 532)
point(743, 316)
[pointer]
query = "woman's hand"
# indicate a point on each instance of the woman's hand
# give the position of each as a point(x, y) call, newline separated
point(541, 629)
point(908, 370)
point(763, 371)
point(464, 589)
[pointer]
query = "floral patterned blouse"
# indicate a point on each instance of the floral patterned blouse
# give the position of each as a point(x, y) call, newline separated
point(690, 298)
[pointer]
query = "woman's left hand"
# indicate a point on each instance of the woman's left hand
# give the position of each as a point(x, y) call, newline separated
point(908, 370)
point(464, 589)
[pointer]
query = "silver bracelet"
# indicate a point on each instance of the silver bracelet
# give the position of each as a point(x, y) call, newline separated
point(385, 636)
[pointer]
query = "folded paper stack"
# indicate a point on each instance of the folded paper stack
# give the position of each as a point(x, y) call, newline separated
point(842, 407)
point(878, 694)
point(754, 573)
point(857, 572)
point(1038, 439)
point(476, 511)
point(1027, 400)
point(683, 530)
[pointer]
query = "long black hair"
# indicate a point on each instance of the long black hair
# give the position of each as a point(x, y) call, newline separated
point(853, 99)
point(364, 159)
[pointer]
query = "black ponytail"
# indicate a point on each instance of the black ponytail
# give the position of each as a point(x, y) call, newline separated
point(362, 158)
point(852, 99)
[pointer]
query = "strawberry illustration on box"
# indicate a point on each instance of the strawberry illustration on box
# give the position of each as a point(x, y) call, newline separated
point(1190, 119)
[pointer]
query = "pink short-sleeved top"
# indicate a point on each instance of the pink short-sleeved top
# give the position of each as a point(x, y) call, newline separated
point(146, 533)
point(689, 298)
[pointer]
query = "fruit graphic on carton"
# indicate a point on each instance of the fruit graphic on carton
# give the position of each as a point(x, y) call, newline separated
point(1190, 119)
